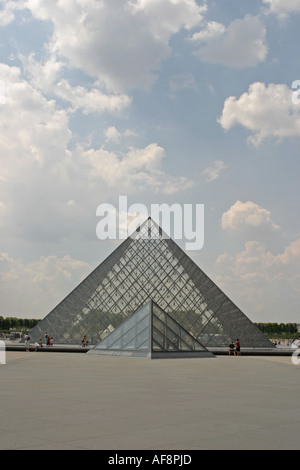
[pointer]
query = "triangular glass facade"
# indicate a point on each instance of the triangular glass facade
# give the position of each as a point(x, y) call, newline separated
point(151, 332)
point(134, 334)
point(168, 336)
point(149, 266)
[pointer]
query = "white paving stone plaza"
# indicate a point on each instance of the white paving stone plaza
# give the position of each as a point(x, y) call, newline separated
point(78, 401)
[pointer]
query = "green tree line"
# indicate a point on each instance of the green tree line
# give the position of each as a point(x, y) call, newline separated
point(283, 330)
point(270, 329)
point(16, 324)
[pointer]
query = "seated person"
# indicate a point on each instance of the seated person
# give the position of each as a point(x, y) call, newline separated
point(231, 348)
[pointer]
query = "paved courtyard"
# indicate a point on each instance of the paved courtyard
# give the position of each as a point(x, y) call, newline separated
point(79, 401)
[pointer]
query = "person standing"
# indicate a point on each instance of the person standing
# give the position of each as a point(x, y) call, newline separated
point(237, 351)
point(27, 343)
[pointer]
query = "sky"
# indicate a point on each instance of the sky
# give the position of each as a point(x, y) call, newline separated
point(164, 102)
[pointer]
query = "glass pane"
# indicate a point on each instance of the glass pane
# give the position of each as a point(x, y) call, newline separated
point(169, 335)
point(132, 333)
point(143, 340)
point(139, 270)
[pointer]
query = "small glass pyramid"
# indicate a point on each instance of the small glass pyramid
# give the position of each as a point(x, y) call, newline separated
point(151, 332)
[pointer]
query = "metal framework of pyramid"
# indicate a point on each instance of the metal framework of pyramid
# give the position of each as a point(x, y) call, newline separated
point(151, 332)
point(149, 265)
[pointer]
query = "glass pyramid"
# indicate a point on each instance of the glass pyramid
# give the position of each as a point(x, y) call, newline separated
point(151, 332)
point(149, 265)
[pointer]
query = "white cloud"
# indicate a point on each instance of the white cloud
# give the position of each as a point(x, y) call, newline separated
point(121, 54)
point(213, 172)
point(38, 283)
point(251, 265)
point(91, 101)
point(244, 215)
point(40, 171)
point(7, 13)
point(290, 253)
point(47, 77)
point(29, 123)
point(168, 16)
point(113, 135)
point(138, 169)
point(34, 159)
point(283, 7)
point(266, 110)
point(257, 279)
point(213, 30)
point(241, 44)
point(43, 75)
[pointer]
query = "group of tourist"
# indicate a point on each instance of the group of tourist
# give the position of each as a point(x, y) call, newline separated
point(48, 342)
point(235, 349)
point(38, 344)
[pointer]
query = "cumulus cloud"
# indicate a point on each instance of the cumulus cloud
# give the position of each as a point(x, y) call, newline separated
point(138, 169)
point(121, 54)
point(213, 172)
point(113, 135)
point(48, 78)
point(43, 75)
point(212, 31)
point(31, 127)
point(256, 277)
point(91, 101)
point(283, 7)
point(241, 44)
point(266, 110)
point(7, 13)
point(34, 159)
point(251, 265)
point(245, 215)
point(38, 283)
point(42, 170)
point(290, 253)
